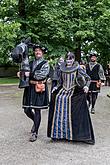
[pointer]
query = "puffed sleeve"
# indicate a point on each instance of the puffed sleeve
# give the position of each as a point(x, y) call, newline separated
point(43, 72)
point(84, 77)
point(101, 73)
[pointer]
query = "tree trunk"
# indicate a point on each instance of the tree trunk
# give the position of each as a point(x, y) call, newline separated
point(78, 53)
point(22, 14)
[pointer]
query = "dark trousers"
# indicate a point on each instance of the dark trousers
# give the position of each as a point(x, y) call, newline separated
point(34, 116)
point(92, 97)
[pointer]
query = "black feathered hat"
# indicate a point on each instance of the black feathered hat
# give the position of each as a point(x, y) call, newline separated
point(93, 54)
point(44, 49)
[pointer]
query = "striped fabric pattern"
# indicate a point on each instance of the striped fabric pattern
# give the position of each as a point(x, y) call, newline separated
point(62, 123)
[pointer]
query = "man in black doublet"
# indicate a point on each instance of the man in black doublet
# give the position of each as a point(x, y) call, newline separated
point(96, 73)
point(35, 95)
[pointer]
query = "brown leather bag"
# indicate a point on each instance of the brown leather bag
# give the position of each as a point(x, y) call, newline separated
point(40, 86)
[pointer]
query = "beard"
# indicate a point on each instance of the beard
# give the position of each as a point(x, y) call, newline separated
point(93, 60)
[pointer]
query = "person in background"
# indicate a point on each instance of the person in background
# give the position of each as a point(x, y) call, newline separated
point(56, 73)
point(107, 74)
point(82, 64)
point(96, 73)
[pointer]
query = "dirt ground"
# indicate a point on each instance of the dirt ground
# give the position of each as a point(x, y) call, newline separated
point(15, 149)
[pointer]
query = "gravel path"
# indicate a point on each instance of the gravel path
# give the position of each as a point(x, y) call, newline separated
point(15, 149)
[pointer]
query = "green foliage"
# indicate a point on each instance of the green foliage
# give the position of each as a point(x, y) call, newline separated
point(7, 41)
point(60, 25)
point(9, 29)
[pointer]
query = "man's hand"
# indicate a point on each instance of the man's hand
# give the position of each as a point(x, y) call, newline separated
point(18, 74)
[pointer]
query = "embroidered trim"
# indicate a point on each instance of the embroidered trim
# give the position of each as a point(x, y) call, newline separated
point(40, 107)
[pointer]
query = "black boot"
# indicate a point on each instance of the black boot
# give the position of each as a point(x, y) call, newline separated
point(91, 142)
point(33, 137)
point(33, 129)
point(92, 110)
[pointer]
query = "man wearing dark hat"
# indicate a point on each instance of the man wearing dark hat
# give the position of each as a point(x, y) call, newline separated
point(96, 73)
point(35, 96)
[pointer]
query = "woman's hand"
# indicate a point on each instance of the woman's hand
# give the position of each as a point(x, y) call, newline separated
point(86, 89)
point(54, 89)
point(27, 74)
point(102, 84)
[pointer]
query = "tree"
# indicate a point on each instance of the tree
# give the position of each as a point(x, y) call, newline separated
point(76, 25)
point(61, 25)
point(9, 29)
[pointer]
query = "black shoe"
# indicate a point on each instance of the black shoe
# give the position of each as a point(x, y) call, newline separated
point(108, 95)
point(33, 129)
point(33, 137)
point(92, 110)
point(89, 142)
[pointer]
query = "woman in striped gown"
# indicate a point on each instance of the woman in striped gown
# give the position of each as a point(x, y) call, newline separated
point(69, 117)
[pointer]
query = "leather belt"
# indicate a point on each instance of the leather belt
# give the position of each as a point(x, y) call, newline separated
point(37, 82)
point(95, 81)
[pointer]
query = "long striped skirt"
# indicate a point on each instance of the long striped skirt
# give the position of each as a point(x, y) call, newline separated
point(69, 117)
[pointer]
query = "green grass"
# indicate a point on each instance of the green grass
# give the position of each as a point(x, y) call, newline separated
point(9, 80)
